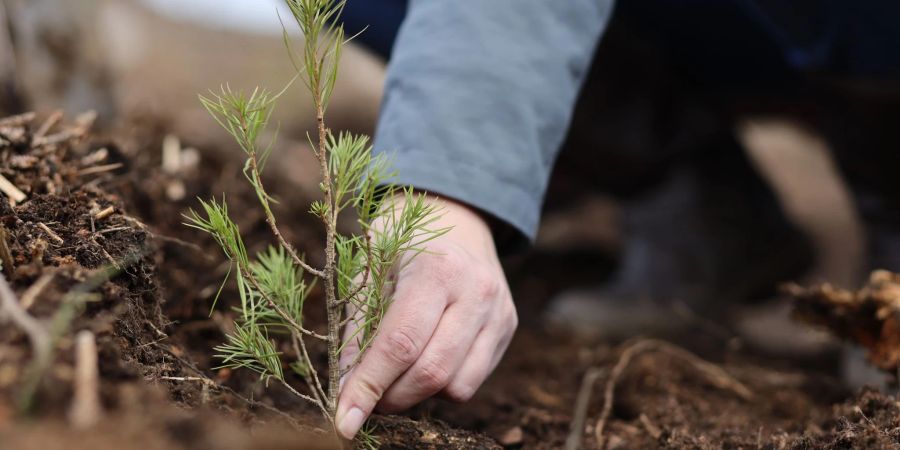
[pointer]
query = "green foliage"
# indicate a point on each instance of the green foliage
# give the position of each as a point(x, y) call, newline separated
point(249, 347)
point(322, 45)
point(222, 228)
point(275, 285)
point(282, 281)
point(367, 438)
point(243, 116)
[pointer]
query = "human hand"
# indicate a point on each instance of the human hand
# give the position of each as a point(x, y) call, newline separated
point(450, 322)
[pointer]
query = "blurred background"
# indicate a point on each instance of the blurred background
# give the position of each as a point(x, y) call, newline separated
point(131, 59)
point(139, 61)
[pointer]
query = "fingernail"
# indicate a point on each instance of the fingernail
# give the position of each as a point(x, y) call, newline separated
point(341, 383)
point(351, 422)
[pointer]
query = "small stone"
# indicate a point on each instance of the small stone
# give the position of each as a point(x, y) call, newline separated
point(512, 436)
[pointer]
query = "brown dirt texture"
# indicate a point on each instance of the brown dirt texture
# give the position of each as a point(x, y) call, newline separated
point(97, 244)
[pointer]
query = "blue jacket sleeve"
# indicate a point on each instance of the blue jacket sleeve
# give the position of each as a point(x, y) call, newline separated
point(479, 95)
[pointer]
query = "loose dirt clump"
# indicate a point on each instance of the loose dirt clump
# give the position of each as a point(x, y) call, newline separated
point(869, 317)
point(69, 235)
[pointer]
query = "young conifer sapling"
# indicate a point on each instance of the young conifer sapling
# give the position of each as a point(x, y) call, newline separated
point(271, 334)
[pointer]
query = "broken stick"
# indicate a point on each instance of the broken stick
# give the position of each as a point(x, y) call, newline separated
point(11, 191)
point(85, 410)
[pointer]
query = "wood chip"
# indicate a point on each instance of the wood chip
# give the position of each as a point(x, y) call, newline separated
point(18, 120)
point(50, 233)
point(11, 191)
point(51, 121)
point(83, 124)
point(106, 212)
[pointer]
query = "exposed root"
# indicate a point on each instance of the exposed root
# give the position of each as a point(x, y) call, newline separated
point(714, 374)
point(576, 429)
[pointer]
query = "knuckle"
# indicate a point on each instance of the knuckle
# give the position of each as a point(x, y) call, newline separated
point(401, 346)
point(369, 391)
point(486, 285)
point(446, 267)
point(513, 319)
point(432, 376)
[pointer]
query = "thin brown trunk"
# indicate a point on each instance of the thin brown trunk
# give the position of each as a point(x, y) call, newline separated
point(332, 305)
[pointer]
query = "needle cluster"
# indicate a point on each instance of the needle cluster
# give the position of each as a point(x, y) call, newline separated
point(274, 287)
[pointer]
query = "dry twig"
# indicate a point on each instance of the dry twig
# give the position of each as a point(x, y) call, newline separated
point(49, 123)
point(31, 294)
point(83, 124)
point(99, 169)
point(15, 195)
point(650, 427)
point(5, 254)
point(17, 120)
point(106, 212)
point(85, 410)
point(36, 332)
point(50, 233)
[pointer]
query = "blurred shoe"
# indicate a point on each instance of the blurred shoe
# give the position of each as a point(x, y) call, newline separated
point(769, 328)
point(703, 241)
point(857, 372)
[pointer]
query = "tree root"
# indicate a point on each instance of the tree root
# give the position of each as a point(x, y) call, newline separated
point(714, 374)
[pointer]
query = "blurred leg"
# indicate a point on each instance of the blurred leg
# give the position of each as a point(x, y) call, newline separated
point(702, 229)
point(10, 103)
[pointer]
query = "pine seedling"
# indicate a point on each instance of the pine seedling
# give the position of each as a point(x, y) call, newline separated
point(356, 275)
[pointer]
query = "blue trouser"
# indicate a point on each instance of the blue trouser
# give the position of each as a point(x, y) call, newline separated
point(378, 20)
point(759, 41)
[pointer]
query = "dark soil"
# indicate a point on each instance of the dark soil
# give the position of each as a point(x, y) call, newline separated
point(159, 387)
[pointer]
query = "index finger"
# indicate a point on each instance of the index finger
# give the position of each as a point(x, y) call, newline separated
point(405, 330)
